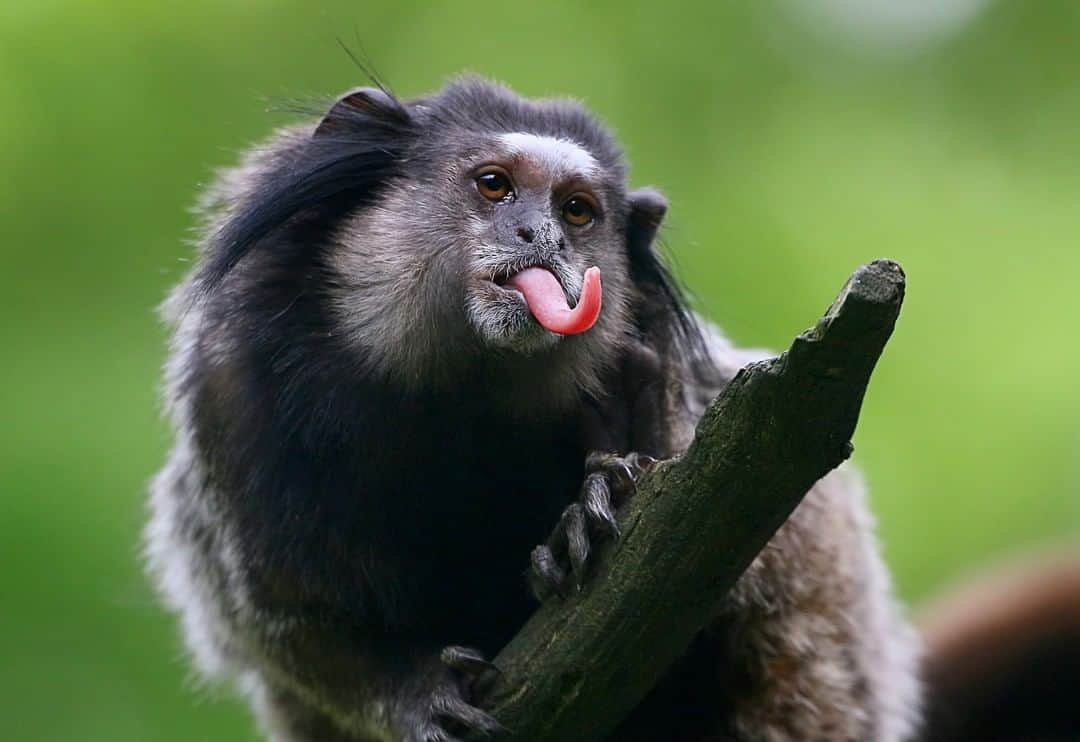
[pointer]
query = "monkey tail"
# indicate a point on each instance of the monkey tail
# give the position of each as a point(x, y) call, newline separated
point(1003, 655)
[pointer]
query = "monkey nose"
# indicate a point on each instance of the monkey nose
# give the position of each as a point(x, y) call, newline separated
point(527, 234)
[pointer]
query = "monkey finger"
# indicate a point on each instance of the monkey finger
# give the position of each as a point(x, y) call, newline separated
point(619, 473)
point(623, 480)
point(452, 707)
point(599, 460)
point(545, 574)
point(573, 524)
point(641, 463)
point(467, 661)
point(596, 497)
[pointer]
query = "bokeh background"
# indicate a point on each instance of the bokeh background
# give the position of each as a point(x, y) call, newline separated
point(795, 139)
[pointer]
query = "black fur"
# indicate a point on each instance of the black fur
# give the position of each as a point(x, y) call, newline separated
point(318, 461)
point(665, 298)
point(355, 151)
point(373, 522)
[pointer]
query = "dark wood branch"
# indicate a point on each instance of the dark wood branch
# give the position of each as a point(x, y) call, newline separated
point(580, 664)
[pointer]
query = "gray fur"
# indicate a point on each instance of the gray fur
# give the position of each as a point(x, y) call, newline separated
point(814, 615)
point(411, 265)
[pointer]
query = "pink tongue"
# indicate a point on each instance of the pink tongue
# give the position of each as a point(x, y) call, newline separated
point(547, 302)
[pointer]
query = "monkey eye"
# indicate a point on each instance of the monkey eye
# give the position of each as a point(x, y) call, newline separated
point(578, 211)
point(494, 184)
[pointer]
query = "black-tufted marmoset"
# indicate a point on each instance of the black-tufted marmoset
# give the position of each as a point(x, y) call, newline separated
point(426, 349)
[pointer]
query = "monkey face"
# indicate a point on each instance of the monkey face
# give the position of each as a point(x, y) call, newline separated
point(455, 232)
point(441, 258)
point(534, 213)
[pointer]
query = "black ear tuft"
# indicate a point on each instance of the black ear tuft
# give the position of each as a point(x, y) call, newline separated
point(351, 154)
point(354, 105)
point(664, 301)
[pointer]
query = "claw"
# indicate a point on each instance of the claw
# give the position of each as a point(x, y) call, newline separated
point(467, 661)
point(622, 479)
point(642, 461)
point(597, 501)
point(454, 709)
point(622, 471)
point(577, 540)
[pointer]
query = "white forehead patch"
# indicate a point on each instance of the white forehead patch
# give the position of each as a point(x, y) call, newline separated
point(554, 154)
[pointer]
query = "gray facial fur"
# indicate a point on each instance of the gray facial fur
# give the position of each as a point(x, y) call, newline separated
point(412, 277)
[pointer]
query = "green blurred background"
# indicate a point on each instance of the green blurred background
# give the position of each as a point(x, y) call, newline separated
point(794, 145)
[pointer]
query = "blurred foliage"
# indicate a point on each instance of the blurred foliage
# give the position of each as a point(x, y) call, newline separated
point(790, 153)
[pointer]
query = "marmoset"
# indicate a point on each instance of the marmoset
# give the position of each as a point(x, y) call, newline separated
point(427, 348)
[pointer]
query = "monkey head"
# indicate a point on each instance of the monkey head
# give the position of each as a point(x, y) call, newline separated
point(455, 231)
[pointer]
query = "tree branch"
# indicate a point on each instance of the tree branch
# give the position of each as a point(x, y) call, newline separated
point(581, 664)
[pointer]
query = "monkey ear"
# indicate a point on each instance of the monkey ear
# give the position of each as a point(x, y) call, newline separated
point(647, 209)
point(357, 105)
point(663, 302)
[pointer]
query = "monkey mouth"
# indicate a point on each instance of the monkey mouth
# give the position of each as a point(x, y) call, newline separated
point(546, 298)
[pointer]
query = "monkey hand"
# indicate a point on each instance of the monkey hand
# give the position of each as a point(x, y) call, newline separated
point(440, 710)
point(562, 562)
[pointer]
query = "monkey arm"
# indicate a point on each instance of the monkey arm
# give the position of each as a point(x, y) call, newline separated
point(631, 418)
point(577, 667)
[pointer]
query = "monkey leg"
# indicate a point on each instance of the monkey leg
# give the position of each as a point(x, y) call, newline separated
point(816, 631)
point(808, 646)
